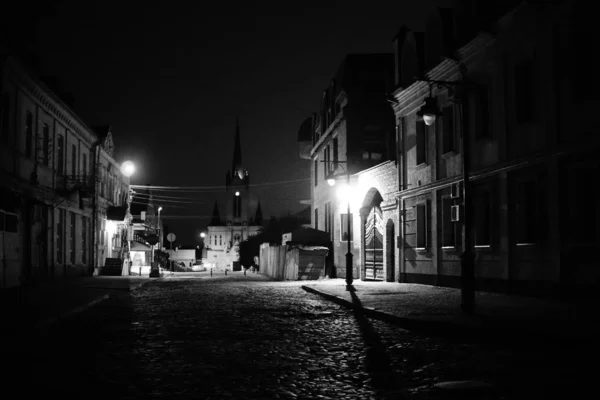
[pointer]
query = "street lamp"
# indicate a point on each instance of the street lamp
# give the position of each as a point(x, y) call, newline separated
point(154, 271)
point(331, 181)
point(202, 235)
point(127, 169)
point(429, 111)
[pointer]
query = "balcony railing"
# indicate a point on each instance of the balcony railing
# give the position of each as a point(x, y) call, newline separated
point(83, 183)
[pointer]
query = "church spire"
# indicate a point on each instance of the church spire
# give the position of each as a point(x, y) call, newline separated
point(258, 219)
point(216, 218)
point(237, 150)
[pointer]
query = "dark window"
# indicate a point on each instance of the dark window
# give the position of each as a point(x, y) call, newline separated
point(29, 134)
point(328, 219)
point(60, 231)
point(84, 166)
point(447, 125)
point(72, 238)
point(74, 159)
point(450, 230)
point(335, 153)
point(482, 114)
point(421, 142)
point(423, 225)
point(524, 91)
point(46, 144)
point(84, 240)
point(4, 118)
point(316, 172)
point(482, 218)
point(526, 212)
point(316, 218)
point(60, 154)
point(344, 227)
point(10, 223)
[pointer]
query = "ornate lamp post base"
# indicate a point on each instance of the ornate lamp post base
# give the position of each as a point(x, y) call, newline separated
point(349, 272)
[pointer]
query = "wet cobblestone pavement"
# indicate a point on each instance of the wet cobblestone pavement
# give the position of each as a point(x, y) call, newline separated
point(229, 338)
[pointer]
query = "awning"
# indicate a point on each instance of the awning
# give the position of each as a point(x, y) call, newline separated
point(116, 213)
point(137, 246)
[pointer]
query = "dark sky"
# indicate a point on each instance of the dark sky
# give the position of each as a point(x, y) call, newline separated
point(171, 77)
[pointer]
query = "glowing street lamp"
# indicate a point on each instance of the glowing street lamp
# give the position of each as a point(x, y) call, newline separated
point(202, 235)
point(128, 168)
point(344, 194)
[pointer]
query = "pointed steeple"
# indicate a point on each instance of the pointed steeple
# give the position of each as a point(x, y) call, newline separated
point(216, 218)
point(258, 219)
point(237, 150)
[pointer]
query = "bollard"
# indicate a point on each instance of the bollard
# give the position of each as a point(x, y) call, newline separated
point(244, 271)
point(225, 272)
point(211, 272)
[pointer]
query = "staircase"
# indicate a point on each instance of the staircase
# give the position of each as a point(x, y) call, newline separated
point(112, 267)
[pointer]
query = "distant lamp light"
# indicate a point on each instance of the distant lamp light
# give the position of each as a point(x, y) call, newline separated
point(331, 182)
point(159, 209)
point(429, 111)
point(237, 193)
point(127, 168)
point(202, 235)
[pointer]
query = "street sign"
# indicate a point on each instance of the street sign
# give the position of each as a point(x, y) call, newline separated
point(171, 237)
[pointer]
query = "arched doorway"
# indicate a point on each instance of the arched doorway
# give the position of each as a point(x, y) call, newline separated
point(373, 254)
point(390, 251)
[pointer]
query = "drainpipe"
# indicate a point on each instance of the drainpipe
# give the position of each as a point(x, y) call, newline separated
point(94, 241)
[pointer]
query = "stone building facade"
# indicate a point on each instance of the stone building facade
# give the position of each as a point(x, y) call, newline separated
point(48, 183)
point(352, 132)
point(532, 157)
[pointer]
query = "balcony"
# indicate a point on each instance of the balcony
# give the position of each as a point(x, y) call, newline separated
point(83, 183)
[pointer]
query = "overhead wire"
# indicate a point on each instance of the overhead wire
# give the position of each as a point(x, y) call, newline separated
point(212, 188)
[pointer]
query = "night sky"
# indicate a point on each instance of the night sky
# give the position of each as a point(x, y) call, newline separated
point(171, 78)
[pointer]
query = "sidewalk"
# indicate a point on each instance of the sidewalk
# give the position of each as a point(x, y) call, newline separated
point(437, 310)
point(38, 308)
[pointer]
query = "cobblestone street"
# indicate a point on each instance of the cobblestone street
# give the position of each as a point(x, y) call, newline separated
point(216, 338)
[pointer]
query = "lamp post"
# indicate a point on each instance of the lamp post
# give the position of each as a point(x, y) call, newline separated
point(349, 256)
point(430, 111)
point(128, 169)
point(154, 271)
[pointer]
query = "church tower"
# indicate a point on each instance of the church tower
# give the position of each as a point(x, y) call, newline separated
point(237, 184)
point(240, 219)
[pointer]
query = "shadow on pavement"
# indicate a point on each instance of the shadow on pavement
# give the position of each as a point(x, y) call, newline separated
point(384, 380)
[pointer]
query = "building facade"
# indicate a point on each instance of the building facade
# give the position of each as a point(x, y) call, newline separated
point(514, 106)
point(352, 132)
point(242, 216)
point(49, 212)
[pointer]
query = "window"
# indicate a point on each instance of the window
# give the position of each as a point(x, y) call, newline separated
point(525, 212)
point(344, 227)
point(447, 126)
point(72, 238)
point(316, 218)
point(220, 240)
point(482, 218)
point(421, 133)
point(328, 219)
point(423, 225)
point(316, 172)
point(335, 153)
point(73, 159)
point(84, 240)
point(524, 91)
point(60, 156)
point(327, 167)
point(84, 166)
point(482, 115)
point(450, 230)
point(46, 144)
point(8, 222)
point(29, 134)
point(4, 118)
point(60, 231)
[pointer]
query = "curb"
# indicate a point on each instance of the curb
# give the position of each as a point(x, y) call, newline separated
point(48, 323)
point(452, 329)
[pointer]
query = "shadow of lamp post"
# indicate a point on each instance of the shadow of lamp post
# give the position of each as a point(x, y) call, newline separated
point(429, 111)
point(331, 180)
